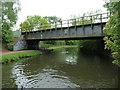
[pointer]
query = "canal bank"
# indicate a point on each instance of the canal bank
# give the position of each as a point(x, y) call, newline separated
point(17, 55)
point(63, 68)
point(10, 56)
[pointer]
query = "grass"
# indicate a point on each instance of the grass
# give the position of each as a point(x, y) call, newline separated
point(48, 45)
point(57, 47)
point(17, 56)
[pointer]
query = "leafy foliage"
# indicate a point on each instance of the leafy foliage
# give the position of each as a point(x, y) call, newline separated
point(33, 23)
point(53, 20)
point(9, 18)
point(112, 28)
point(7, 33)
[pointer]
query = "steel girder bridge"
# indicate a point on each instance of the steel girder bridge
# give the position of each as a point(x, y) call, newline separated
point(87, 27)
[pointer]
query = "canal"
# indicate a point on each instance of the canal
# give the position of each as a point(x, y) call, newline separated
point(63, 68)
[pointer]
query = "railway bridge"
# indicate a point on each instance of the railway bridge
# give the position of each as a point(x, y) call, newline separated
point(88, 27)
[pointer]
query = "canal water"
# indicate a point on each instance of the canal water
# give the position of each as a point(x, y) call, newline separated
point(63, 68)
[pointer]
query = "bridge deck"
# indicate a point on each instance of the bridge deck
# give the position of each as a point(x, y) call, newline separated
point(66, 33)
point(79, 30)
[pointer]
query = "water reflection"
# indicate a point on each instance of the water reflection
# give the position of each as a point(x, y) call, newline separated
point(46, 78)
point(63, 69)
point(71, 60)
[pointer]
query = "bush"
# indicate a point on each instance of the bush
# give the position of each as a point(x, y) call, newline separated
point(7, 34)
point(10, 46)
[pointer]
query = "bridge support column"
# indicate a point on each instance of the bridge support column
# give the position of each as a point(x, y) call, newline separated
point(32, 45)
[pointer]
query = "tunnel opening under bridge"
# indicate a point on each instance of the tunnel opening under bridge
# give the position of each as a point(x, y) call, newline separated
point(37, 44)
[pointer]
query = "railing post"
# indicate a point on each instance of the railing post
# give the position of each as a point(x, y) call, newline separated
point(61, 23)
point(83, 25)
point(82, 20)
point(101, 23)
point(91, 19)
point(100, 18)
point(75, 22)
point(68, 23)
point(50, 25)
point(56, 28)
point(55, 25)
point(75, 27)
point(68, 27)
point(41, 34)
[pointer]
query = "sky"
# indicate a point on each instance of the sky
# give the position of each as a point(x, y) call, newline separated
point(59, 8)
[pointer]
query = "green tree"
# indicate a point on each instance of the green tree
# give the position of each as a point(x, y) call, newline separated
point(33, 23)
point(9, 18)
point(53, 20)
point(112, 29)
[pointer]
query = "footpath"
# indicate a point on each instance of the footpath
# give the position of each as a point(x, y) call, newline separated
point(11, 52)
point(6, 52)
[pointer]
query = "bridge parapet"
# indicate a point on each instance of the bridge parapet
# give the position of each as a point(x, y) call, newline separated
point(79, 27)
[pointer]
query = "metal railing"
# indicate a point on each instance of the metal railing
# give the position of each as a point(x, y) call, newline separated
point(92, 19)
